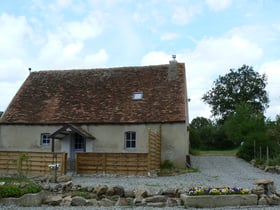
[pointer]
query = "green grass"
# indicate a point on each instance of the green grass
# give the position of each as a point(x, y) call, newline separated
point(215, 152)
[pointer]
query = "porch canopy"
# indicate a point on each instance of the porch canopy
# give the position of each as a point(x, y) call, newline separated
point(67, 130)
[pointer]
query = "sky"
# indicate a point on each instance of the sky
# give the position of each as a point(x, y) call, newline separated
point(209, 36)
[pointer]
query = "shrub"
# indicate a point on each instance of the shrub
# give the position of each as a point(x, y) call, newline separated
point(14, 188)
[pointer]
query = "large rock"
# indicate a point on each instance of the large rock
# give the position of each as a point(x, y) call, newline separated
point(101, 190)
point(140, 193)
point(64, 178)
point(118, 190)
point(66, 201)
point(78, 201)
point(156, 199)
point(27, 200)
point(171, 192)
point(123, 202)
point(53, 200)
point(106, 202)
point(92, 202)
point(212, 201)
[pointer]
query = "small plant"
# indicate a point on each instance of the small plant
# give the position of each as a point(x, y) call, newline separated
point(84, 193)
point(19, 164)
point(167, 164)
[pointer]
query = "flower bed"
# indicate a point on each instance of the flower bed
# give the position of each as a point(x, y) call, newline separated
point(216, 191)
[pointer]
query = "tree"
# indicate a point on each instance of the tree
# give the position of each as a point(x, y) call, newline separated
point(239, 125)
point(243, 85)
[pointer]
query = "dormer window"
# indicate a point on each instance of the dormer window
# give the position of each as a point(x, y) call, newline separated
point(137, 96)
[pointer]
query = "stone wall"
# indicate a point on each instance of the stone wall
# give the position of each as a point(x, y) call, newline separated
point(67, 194)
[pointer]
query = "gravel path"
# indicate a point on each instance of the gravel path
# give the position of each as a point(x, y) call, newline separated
point(214, 171)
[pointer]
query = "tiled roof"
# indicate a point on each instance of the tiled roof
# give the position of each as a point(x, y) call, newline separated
point(101, 96)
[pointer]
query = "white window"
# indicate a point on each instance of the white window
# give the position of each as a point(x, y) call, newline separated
point(137, 96)
point(130, 140)
point(45, 140)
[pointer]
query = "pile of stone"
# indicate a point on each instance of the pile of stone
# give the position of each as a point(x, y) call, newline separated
point(103, 195)
point(266, 192)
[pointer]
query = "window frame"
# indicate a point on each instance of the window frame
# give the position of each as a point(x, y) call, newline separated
point(130, 141)
point(45, 139)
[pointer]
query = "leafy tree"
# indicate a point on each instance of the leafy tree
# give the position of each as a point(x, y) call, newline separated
point(243, 85)
point(200, 130)
point(239, 125)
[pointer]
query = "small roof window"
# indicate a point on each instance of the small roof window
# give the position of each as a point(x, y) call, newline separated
point(137, 96)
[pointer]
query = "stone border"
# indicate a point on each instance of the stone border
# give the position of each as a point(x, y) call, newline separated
point(61, 194)
point(212, 201)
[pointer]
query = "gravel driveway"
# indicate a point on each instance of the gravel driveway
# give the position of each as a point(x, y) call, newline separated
point(214, 171)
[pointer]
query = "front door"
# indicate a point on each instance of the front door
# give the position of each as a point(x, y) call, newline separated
point(78, 144)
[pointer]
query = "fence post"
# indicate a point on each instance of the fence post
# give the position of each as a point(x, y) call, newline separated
point(267, 155)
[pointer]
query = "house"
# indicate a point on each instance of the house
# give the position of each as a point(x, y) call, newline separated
point(106, 110)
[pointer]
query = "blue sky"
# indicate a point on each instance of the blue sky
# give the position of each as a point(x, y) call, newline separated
point(209, 36)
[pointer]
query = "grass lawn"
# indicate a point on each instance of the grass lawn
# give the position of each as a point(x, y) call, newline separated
point(216, 152)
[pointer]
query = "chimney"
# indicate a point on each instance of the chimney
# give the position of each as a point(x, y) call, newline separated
point(172, 69)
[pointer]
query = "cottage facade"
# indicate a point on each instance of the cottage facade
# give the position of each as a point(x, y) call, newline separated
point(100, 110)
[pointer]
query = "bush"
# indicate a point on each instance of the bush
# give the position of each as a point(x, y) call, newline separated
point(167, 164)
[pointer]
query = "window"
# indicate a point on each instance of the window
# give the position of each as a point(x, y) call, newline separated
point(79, 143)
point(137, 96)
point(45, 140)
point(130, 140)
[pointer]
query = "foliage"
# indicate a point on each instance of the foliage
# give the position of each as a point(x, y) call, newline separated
point(275, 161)
point(84, 193)
point(273, 130)
point(17, 189)
point(13, 179)
point(207, 135)
point(243, 85)
point(255, 146)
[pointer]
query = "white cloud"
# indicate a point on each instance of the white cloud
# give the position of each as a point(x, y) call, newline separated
point(88, 28)
point(217, 5)
point(98, 59)
point(10, 90)
point(271, 69)
point(72, 49)
point(169, 36)
point(12, 69)
point(155, 58)
point(183, 16)
point(215, 55)
point(13, 33)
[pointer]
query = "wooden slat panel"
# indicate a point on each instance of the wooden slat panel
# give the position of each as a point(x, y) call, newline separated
point(112, 163)
point(37, 162)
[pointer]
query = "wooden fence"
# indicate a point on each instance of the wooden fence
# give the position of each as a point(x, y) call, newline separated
point(154, 155)
point(34, 163)
point(123, 163)
point(112, 163)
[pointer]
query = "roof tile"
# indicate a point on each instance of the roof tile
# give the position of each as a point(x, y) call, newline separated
point(100, 96)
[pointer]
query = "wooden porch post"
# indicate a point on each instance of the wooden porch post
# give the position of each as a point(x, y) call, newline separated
point(52, 144)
